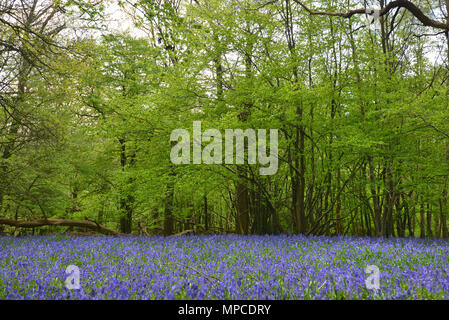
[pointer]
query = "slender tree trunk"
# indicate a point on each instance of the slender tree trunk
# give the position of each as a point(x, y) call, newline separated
point(206, 215)
point(242, 190)
point(376, 201)
point(301, 218)
point(294, 184)
point(168, 210)
point(126, 200)
point(413, 215)
point(444, 205)
point(242, 207)
point(338, 208)
point(443, 210)
point(422, 224)
point(429, 221)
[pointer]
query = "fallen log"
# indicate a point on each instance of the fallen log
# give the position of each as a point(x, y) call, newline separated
point(89, 224)
point(186, 232)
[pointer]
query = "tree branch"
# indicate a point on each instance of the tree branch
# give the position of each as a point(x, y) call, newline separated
point(417, 12)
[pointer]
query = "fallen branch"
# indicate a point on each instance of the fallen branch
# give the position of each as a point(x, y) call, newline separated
point(186, 232)
point(59, 222)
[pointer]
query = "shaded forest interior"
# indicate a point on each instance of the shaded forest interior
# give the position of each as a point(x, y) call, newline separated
point(362, 110)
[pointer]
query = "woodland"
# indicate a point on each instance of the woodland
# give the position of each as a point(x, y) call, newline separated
point(360, 97)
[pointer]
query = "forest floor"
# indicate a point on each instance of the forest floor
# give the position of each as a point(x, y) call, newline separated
point(222, 267)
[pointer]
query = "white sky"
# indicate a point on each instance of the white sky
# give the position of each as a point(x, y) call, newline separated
point(118, 20)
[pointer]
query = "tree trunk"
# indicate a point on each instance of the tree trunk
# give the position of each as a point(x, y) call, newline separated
point(168, 204)
point(429, 221)
point(126, 201)
point(242, 208)
point(422, 224)
point(88, 224)
point(206, 215)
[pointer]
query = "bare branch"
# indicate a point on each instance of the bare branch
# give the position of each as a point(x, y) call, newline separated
point(417, 12)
